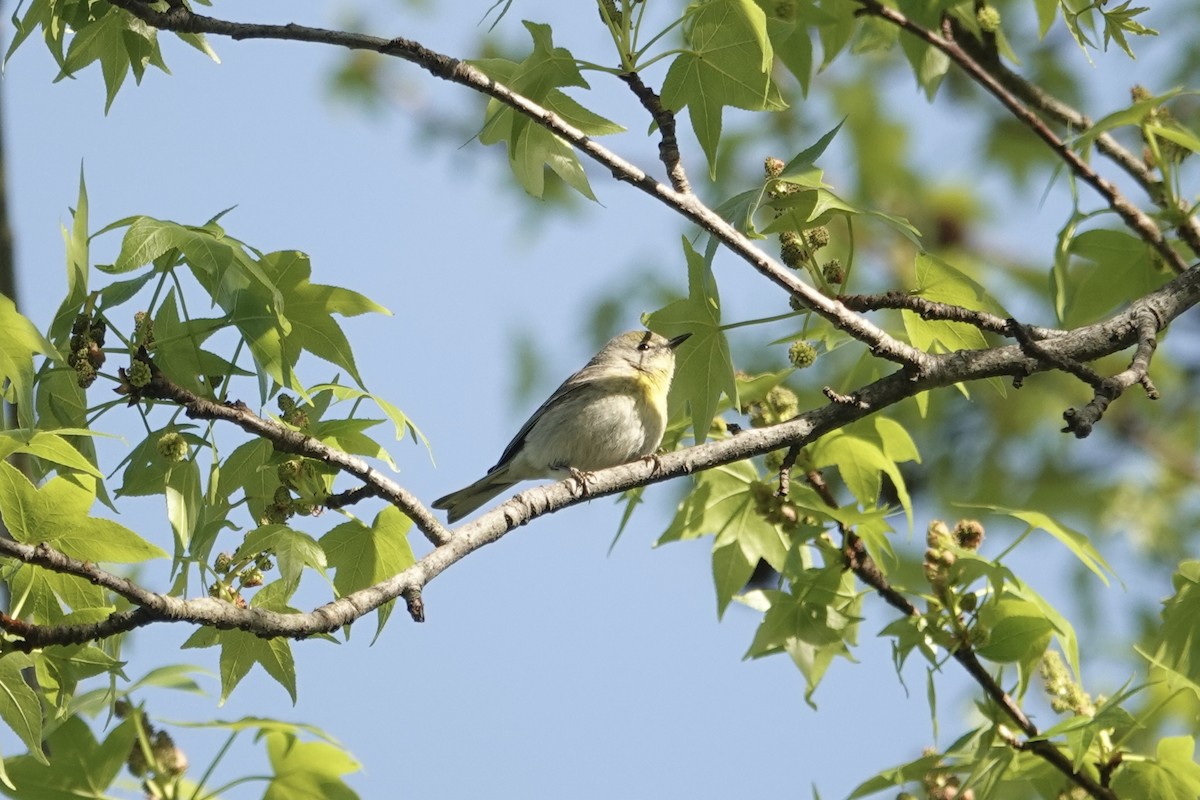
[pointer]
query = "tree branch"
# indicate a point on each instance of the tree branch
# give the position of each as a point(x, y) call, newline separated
point(933, 310)
point(1133, 216)
point(1106, 143)
point(923, 372)
point(1080, 422)
point(864, 567)
point(182, 20)
point(287, 440)
point(668, 145)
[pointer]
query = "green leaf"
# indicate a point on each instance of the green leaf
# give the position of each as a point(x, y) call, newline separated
point(1172, 774)
point(20, 706)
point(57, 513)
point(184, 501)
point(1180, 136)
point(703, 365)
point(1119, 268)
point(1047, 10)
point(792, 43)
point(1076, 542)
point(76, 241)
point(241, 650)
point(47, 446)
point(40, 594)
point(836, 29)
point(60, 669)
point(81, 767)
point(732, 569)
point(862, 462)
point(1017, 632)
point(1134, 114)
point(1178, 640)
point(302, 319)
point(177, 351)
point(532, 148)
point(307, 770)
point(1119, 21)
point(912, 772)
point(19, 344)
point(938, 281)
point(293, 551)
point(727, 63)
point(362, 556)
point(929, 64)
point(813, 624)
point(347, 435)
point(119, 41)
point(253, 469)
point(723, 504)
point(397, 417)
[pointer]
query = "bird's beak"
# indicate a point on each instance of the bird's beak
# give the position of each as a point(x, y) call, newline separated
point(678, 340)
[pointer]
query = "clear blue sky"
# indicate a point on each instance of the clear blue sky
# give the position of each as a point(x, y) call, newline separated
point(546, 667)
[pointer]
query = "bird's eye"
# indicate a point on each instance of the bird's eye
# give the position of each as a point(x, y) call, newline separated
point(643, 346)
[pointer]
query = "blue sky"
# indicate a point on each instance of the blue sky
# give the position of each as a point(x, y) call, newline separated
point(546, 667)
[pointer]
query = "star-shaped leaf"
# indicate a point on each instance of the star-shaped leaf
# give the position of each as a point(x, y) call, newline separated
point(362, 556)
point(727, 63)
point(531, 147)
point(703, 365)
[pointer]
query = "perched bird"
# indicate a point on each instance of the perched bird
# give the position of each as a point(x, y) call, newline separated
point(612, 411)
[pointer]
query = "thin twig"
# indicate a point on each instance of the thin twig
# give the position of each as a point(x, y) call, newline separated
point(668, 144)
point(1133, 216)
point(1081, 421)
point(881, 344)
point(288, 440)
point(933, 310)
point(1054, 108)
point(1069, 365)
point(859, 561)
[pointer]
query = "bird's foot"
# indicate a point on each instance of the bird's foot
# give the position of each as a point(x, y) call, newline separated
point(582, 479)
point(653, 460)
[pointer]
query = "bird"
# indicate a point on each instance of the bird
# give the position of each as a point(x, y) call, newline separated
point(612, 411)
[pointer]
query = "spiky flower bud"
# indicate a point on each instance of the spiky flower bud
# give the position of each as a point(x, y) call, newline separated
point(85, 374)
point(139, 374)
point(289, 471)
point(773, 166)
point(968, 533)
point(802, 354)
point(832, 271)
point(988, 18)
point(792, 250)
point(172, 447)
point(817, 237)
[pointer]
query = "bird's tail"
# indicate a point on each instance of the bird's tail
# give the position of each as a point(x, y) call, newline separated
point(458, 504)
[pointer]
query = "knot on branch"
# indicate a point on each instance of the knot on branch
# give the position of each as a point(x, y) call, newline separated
point(852, 399)
point(1147, 323)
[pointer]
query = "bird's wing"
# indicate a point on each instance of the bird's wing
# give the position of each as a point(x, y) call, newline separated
point(570, 386)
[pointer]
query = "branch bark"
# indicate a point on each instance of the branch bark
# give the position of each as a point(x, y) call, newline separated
point(1138, 325)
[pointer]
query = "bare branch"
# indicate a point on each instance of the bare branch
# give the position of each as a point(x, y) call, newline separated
point(859, 561)
point(880, 343)
point(1133, 216)
point(287, 440)
point(1080, 422)
point(668, 145)
point(933, 310)
point(1085, 373)
point(1106, 143)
